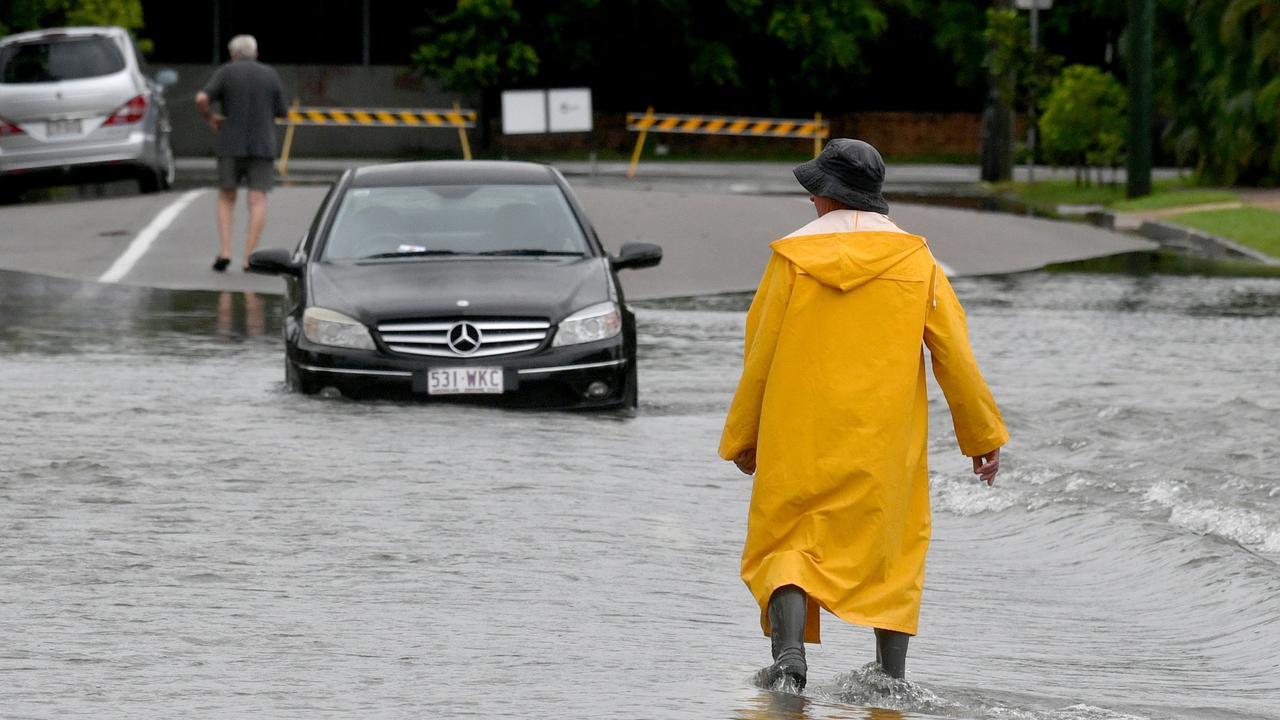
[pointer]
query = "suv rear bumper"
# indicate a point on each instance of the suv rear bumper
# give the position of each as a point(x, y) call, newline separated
point(132, 149)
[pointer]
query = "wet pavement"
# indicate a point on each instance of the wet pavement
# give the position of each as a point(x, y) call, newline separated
point(715, 235)
point(182, 537)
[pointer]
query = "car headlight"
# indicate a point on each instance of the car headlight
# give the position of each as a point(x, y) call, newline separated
point(598, 322)
point(326, 327)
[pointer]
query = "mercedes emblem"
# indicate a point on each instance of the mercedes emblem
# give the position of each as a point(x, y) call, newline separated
point(464, 338)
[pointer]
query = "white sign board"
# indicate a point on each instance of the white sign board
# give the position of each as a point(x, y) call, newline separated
point(524, 112)
point(569, 110)
point(1037, 4)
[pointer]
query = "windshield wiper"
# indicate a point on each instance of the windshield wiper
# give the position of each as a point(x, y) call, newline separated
point(531, 252)
point(408, 253)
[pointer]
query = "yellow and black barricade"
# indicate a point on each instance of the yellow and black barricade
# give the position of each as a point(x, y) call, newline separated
point(422, 118)
point(644, 123)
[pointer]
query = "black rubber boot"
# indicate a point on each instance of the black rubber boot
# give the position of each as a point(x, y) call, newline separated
point(787, 610)
point(891, 652)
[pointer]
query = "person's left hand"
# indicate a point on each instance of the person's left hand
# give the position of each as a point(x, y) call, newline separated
point(215, 121)
point(746, 461)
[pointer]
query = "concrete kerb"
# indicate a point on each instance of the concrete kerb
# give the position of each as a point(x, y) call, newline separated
point(1179, 237)
point(1201, 244)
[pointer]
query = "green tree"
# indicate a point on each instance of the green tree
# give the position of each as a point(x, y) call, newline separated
point(21, 15)
point(738, 55)
point(1219, 82)
point(477, 47)
point(1009, 55)
point(1084, 120)
point(826, 36)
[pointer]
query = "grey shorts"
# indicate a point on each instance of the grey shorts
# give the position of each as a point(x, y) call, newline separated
point(258, 173)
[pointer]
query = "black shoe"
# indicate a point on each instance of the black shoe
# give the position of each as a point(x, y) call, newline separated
point(788, 608)
point(220, 264)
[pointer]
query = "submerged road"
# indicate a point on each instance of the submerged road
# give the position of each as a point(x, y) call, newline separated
point(713, 243)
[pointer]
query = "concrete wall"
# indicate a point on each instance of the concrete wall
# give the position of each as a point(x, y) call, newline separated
point(333, 85)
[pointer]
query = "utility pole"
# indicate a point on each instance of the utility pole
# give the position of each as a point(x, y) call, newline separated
point(1141, 32)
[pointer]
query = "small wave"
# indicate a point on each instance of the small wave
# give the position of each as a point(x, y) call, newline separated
point(971, 496)
point(871, 687)
point(1208, 517)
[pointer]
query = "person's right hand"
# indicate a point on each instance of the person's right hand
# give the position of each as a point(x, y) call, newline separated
point(746, 461)
point(986, 466)
point(215, 121)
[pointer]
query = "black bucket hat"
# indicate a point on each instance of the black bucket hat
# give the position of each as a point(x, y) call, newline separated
point(847, 170)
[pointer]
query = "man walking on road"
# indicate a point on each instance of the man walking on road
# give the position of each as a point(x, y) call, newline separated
point(831, 416)
point(251, 98)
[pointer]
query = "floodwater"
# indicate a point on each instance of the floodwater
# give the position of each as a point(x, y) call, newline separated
point(181, 537)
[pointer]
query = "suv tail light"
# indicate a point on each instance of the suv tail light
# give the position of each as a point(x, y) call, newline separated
point(130, 112)
point(7, 128)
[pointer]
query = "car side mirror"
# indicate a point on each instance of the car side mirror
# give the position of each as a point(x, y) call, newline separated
point(634, 256)
point(274, 261)
point(167, 77)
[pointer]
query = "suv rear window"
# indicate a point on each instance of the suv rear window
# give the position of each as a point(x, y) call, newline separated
point(69, 58)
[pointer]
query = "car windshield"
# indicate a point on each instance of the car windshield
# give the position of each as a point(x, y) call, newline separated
point(67, 58)
point(454, 219)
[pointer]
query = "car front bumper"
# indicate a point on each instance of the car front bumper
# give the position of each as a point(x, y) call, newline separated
point(552, 377)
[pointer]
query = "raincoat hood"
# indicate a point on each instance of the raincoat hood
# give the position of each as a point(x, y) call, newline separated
point(846, 260)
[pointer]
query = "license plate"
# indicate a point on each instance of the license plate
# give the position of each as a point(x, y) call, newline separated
point(464, 380)
point(63, 127)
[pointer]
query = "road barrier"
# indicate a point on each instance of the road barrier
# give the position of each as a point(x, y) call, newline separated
point(420, 118)
point(644, 123)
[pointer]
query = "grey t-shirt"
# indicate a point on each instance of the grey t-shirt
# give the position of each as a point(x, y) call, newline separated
point(251, 98)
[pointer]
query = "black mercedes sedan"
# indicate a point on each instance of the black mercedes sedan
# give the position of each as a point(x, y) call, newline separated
point(462, 280)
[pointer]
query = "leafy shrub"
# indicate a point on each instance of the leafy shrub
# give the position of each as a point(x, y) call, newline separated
point(1084, 122)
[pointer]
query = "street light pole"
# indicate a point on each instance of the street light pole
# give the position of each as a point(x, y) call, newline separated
point(1035, 6)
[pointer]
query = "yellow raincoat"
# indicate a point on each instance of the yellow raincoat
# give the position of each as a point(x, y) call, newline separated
point(832, 397)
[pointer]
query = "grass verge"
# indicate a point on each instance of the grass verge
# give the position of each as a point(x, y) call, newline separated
point(1258, 228)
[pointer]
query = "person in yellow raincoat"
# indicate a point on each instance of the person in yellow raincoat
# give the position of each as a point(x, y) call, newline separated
point(831, 416)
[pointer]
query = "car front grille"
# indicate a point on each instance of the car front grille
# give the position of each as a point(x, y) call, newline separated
point(464, 337)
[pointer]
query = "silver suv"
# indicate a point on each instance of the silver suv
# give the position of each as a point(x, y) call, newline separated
point(75, 106)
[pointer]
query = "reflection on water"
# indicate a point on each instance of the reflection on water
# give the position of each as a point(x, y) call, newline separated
point(181, 536)
point(1167, 262)
point(249, 322)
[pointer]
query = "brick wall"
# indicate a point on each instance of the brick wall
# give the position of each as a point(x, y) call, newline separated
point(895, 134)
point(905, 134)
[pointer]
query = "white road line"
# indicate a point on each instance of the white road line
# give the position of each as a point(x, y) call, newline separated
point(142, 241)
